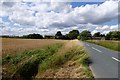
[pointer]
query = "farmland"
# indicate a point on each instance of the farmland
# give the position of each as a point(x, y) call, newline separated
point(43, 58)
point(11, 46)
point(111, 44)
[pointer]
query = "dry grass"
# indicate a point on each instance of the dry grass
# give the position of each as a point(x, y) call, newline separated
point(59, 60)
point(66, 63)
point(17, 45)
point(111, 44)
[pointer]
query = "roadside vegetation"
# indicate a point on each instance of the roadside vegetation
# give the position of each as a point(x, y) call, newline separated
point(57, 60)
point(114, 45)
point(86, 35)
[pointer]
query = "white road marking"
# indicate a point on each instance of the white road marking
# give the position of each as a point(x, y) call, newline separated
point(92, 71)
point(88, 45)
point(97, 50)
point(115, 59)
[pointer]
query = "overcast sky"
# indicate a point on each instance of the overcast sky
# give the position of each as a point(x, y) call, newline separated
point(19, 18)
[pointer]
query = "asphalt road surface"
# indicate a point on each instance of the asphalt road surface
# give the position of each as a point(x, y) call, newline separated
point(104, 61)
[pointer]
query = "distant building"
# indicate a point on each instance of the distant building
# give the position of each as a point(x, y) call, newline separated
point(49, 37)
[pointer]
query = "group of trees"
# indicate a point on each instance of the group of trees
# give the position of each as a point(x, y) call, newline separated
point(85, 35)
point(74, 34)
point(29, 36)
point(98, 34)
point(112, 35)
point(33, 36)
point(71, 35)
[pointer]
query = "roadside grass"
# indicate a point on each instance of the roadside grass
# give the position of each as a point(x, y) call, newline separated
point(114, 45)
point(72, 52)
point(35, 63)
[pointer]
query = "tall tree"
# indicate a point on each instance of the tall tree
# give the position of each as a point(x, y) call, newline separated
point(58, 33)
point(73, 34)
point(85, 35)
point(97, 34)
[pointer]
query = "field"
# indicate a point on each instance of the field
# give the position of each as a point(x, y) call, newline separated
point(11, 46)
point(114, 45)
point(44, 59)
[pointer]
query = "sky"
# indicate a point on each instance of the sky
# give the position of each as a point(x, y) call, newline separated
point(46, 18)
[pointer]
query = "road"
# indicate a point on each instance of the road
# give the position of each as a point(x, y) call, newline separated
point(104, 61)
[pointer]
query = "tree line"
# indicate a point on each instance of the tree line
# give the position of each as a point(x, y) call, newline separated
point(86, 35)
point(74, 34)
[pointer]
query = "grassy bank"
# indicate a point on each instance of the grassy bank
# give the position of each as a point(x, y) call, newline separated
point(71, 61)
point(39, 63)
point(114, 45)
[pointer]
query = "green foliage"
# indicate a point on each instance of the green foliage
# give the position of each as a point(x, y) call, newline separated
point(58, 33)
point(73, 34)
point(84, 35)
point(26, 64)
point(97, 34)
point(33, 36)
point(6, 59)
point(85, 60)
point(113, 35)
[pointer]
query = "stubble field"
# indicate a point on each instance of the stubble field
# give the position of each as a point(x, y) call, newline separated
point(11, 46)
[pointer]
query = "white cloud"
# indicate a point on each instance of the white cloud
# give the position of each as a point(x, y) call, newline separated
point(15, 24)
point(52, 16)
point(105, 29)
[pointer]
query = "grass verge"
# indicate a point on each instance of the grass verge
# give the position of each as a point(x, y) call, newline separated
point(114, 45)
point(71, 56)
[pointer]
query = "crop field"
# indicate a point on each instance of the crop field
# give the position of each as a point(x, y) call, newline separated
point(44, 59)
point(11, 46)
point(111, 44)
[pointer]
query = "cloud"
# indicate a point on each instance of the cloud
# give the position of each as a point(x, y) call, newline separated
point(105, 29)
point(48, 17)
point(8, 4)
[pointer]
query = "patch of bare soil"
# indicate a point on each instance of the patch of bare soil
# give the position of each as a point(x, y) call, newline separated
point(68, 70)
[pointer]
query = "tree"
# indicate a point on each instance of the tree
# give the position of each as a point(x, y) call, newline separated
point(58, 35)
point(73, 34)
point(85, 35)
point(108, 36)
point(33, 36)
point(102, 35)
point(113, 35)
point(97, 34)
